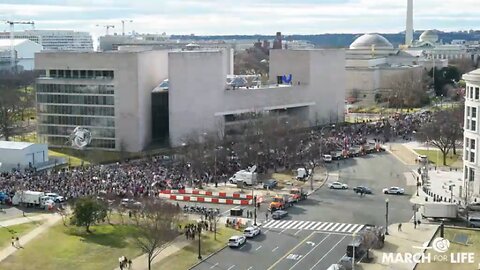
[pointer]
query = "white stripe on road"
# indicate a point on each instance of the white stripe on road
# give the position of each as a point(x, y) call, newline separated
point(279, 225)
point(287, 224)
point(291, 225)
point(213, 266)
point(324, 225)
point(310, 225)
point(339, 229)
point(304, 225)
point(268, 223)
point(317, 245)
point(273, 250)
point(359, 228)
point(298, 225)
point(259, 247)
point(346, 227)
point(297, 232)
point(314, 228)
point(353, 228)
point(328, 227)
point(273, 223)
point(334, 227)
point(231, 267)
point(328, 252)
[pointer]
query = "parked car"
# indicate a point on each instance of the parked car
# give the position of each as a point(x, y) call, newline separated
point(474, 222)
point(237, 240)
point(250, 232)
point(270, 184)
point(362, 189)
point(55, 197)
point(327, 158)
point(279, 214)
point(474, 207)
point(394, 190)
point(421, 158)
point(337, 185)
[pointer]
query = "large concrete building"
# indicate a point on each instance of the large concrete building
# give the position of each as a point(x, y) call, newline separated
point(58, 40)
point(108, 93)
point(471, 135)
point(21, 155)
point(308, 84)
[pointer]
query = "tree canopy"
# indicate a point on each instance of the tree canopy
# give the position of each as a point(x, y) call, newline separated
point(88, 211)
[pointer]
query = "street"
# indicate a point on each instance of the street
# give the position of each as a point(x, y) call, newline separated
point(316, 231)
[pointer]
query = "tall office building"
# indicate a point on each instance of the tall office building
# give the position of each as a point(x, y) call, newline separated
point(58, 40)
point(108, 93)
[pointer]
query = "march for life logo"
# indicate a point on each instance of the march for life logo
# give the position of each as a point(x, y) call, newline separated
point(439, 245)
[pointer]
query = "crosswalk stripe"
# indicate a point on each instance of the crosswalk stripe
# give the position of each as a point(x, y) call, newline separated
point(359, 228)
point(298, 225)
point(278, 225)
point(287, 224)
point(304, 225)
point(310, 227)
point(268, 223)
point(339, 229)
point(353, 228)
point(346, 227)
point(292, 224)
point(324, 225)
point(318, 224)
point(334, 227)
point(329, 226)
point(273, 223)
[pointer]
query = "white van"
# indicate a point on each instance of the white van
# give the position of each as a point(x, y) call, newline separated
point(327, 158)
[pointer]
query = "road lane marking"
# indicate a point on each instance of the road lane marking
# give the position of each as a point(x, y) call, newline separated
point(359, 228)
point(268, 223)
point(259, 247)
point(292, 224)
point(287, 224)
point(318, 224)
point(339, 229)
point(323, 226)
point(279, 225)
point(310, 226)
point(250, 268)
point(353, 228)
point(334, 227)
point(328, 227)
point(273, 224)
point(231, 267)
point(328, 252)
point(213, 266)
point(346, 227)
point(298, 225)
point(290, 251)
point(273, 250)
point(297, 232)
point(313, 248)
point(304, 226)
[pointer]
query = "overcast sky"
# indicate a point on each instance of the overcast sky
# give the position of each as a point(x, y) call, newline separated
point(216, 17)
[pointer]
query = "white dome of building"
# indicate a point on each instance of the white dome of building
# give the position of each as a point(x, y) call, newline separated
point(429, 36)
point(365, 42)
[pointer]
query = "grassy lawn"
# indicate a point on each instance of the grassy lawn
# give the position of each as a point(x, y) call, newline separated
point(72, 248)
point(187, 257)
point(435, 156)
point(6, 233)
point(473, 246)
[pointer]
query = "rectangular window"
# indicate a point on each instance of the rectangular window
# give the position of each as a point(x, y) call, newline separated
point(468, 110)
point(474, 125)
point(472, 144)
point(465, 173)
point(474, 112)
point(471, 175)
point(467, 141)
point(477, 93)
point(472, 157)
point(467, 124)
point(466, 154)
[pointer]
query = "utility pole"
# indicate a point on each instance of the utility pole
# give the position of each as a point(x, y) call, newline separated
point(12, 39)
point(123, 26)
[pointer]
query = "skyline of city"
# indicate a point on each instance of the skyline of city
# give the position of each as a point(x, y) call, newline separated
point(227, 17)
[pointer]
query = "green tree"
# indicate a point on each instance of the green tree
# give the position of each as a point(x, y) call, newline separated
point(88, 211)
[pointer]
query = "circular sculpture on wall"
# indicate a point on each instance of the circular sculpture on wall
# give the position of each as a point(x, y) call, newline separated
point(80, 137)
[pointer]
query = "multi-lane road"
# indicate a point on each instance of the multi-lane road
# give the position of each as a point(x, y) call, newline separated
point(316, 232)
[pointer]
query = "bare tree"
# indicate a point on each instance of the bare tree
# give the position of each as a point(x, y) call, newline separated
point(464, 65)
point(156, 225)
point(409, 89)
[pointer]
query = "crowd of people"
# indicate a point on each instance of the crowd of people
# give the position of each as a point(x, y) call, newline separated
point(146, 177)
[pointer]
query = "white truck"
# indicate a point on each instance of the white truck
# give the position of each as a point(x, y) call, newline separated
point(440, 210)
point(31, 198)
point(303, 173)
point(245, 177)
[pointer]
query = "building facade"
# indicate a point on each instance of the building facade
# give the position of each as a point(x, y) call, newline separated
point(21, 155)
point(108, 93)
point(24, 53)
point(306, 84)
point(471, 135)
point(57, 40)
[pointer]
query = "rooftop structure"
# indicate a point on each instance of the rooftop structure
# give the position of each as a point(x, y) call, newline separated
point(62, 40)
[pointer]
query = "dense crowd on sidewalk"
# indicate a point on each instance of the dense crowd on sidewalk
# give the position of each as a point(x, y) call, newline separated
point(146, 177)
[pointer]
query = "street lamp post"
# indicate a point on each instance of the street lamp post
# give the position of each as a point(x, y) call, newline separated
point(353, 255)
point(386, 216)
point(199, 241)
point(255, 210)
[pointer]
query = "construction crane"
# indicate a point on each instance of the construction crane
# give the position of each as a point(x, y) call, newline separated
point(123, 26)
point(12, 38)
point(107, 27)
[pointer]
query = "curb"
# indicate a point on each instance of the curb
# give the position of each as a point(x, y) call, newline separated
point(429, 243)
point(319, 187)
point(207, 257)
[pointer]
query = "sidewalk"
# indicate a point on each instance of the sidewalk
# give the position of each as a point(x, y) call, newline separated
point(21, 220)
point(50, 221)
point(401, 242)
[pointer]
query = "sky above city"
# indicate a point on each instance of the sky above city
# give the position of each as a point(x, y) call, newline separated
point(219, 17)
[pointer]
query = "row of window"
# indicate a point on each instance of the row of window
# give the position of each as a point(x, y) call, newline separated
point(73, 99)
point(67, 130)
point(469, 150)
point(76, 120)
point(76, 110)
point(81, 74)
point(473, 92)
point(469, 173)
point(96, 143)
point(72, 89)
point(471, 119)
